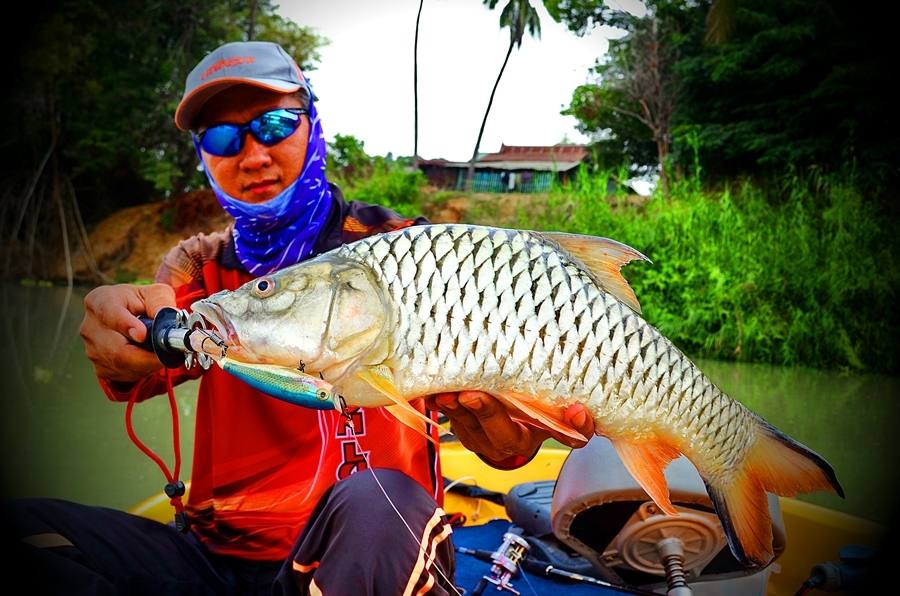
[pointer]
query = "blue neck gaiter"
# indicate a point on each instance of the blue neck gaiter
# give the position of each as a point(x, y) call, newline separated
point(283, 230)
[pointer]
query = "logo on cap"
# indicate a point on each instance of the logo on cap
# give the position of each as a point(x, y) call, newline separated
point(226, 63)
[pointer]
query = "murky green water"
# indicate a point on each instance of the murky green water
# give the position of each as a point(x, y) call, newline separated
point(61, 437)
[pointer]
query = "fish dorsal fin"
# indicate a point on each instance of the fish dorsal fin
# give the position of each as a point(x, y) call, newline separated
point(382, 380)
point(605, 259)
point(646, 460)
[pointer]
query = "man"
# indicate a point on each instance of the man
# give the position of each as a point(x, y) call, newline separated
point(280, 495)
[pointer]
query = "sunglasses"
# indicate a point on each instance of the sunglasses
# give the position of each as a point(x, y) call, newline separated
point(269, 128)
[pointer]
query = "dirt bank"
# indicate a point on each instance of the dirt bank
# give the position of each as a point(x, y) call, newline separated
point(130, 244)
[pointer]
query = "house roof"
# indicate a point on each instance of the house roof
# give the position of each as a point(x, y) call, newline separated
point(553, 153)
point(538, 166)
point(558, 158)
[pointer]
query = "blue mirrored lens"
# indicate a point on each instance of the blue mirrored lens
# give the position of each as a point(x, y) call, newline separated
point(223, 140)
point(275, 126)
point(270, 128)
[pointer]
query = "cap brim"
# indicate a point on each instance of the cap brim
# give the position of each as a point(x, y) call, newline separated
point(193, 102)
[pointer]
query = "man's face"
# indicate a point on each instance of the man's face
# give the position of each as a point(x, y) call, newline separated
point(258, 172)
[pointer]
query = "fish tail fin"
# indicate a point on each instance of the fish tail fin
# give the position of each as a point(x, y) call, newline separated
point(775, 463)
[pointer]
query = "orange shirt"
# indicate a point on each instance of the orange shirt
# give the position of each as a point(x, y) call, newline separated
point(260, 464)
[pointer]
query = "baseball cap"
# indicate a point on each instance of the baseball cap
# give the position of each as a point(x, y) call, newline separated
point(259, 63)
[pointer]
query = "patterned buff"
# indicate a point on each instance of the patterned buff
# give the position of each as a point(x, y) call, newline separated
point(283, 230)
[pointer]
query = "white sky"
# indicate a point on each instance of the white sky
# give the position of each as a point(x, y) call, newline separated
point(364, 80)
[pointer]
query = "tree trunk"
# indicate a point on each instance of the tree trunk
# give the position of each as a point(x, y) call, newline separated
point(471, 171)
point(662, 152)
point(415, 159)
point(251, 21)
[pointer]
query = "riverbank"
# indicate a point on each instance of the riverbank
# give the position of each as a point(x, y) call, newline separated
point(805, 274)
point(129, 245)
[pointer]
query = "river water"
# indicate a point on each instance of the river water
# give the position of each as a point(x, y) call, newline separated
point(61, 436)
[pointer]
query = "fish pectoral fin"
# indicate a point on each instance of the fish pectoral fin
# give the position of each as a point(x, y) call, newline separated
point(646, 461)
point(605, 259)
point(382, 380)
point(408, 419)
point(529, 410)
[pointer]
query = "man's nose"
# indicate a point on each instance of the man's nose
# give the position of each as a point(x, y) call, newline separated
point(255, 155)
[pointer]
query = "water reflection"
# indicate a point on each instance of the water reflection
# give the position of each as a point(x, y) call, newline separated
point(845, 418)
point(63, 438)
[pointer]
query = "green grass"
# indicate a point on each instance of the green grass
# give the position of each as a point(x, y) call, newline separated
point(796, 272)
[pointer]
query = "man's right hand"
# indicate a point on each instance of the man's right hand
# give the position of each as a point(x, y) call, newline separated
point(111, 329)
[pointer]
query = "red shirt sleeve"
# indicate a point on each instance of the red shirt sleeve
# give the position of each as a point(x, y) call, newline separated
point(181, 270)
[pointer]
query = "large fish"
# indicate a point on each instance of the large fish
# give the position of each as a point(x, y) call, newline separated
point(538, 320)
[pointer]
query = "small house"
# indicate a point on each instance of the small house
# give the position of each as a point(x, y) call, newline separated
point(514, 168)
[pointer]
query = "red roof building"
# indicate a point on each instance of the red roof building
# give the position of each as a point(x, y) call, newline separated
point(512, 169)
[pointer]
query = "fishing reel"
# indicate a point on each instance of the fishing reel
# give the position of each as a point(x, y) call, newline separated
point(178, 338)
point(506, 561)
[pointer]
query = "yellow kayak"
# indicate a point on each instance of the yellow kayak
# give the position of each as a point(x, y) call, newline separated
point(813, 534)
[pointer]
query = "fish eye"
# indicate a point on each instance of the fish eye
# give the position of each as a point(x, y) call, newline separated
point(264, 287)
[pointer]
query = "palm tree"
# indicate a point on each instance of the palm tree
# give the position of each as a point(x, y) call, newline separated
point(519, 16)
point(415, 159)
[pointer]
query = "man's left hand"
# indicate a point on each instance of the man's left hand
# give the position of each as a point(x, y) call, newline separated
point(483, 425)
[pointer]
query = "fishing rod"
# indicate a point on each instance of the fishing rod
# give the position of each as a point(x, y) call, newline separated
point(511, 555)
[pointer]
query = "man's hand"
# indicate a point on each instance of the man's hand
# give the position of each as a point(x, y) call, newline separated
point(483, 425)
point(110, 327)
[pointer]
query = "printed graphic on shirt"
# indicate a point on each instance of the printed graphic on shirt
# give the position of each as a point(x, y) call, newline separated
point(352, 459)
point(359, 424)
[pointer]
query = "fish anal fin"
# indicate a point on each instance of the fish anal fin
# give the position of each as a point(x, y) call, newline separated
point(646, 460)
point(604, 258)
point(531, 411)
point(382, 380)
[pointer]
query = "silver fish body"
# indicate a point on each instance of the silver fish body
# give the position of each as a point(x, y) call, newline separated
point(541, 321)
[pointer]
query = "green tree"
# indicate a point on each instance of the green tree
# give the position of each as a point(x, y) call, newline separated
point(636, 82)
point(347, 158)
point(89, 114)
point(520, 16)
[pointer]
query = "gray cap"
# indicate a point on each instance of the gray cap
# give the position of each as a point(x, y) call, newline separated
point(259, 63)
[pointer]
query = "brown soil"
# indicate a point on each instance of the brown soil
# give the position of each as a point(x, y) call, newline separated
point(130, 244)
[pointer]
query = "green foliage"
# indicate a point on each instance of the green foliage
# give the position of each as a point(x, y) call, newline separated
point(519, 16)
point(391, 184)
point(581, 16)
point(347, 159)
point(764, 83)
point(806, 277)
point(378, 180)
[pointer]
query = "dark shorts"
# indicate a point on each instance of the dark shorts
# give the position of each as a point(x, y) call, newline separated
point(355, 543)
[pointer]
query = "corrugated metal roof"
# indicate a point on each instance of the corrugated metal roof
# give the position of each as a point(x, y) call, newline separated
point(554, 153)
point(539, 166)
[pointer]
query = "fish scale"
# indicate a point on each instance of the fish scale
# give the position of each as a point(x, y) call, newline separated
point(539, 320)
point(544, 293)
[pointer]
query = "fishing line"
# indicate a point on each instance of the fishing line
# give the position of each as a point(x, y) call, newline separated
point(434, 565)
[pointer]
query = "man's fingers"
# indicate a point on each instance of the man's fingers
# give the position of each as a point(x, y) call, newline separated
point(504, 433)
point(578, 417)
point(156, 297)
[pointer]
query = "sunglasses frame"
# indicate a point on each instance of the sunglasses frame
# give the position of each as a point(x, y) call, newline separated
point(251, 126)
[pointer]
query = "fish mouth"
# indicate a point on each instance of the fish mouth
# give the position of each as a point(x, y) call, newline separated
point(213, 314)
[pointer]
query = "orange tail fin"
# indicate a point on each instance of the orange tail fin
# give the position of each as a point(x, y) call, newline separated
point(777, 464)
